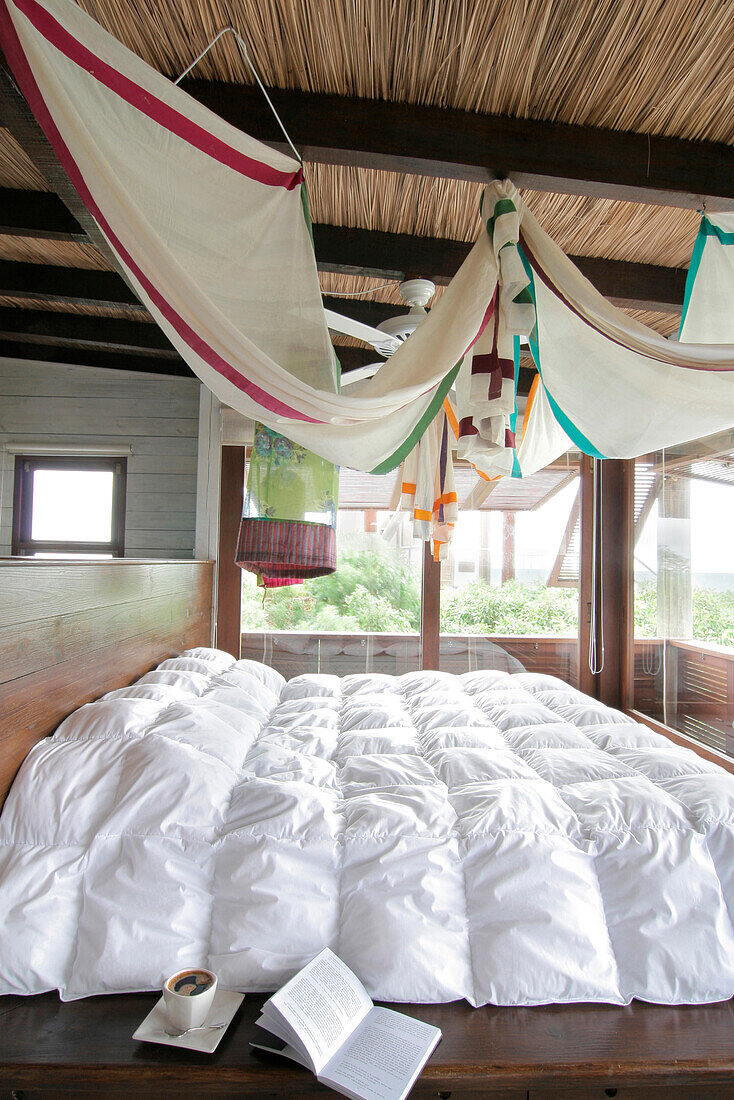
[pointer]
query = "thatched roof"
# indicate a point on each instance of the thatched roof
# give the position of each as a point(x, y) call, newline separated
point(657, 67)
point(654, 66)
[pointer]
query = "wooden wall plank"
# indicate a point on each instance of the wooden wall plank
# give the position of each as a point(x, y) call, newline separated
point(25, 647)
point(64, 588)
point(63, 644)
point(156, 418)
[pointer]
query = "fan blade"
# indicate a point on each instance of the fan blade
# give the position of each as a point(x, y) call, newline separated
point(381, 341)
point(359, 374)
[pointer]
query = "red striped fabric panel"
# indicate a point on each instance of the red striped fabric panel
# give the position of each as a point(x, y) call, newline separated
point(285, 551)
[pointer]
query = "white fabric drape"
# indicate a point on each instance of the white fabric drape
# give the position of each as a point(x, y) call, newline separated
point(618, 388)
point(209, 227)
point(708, 312)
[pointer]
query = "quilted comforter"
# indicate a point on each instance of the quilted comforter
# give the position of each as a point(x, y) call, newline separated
point(500, 838)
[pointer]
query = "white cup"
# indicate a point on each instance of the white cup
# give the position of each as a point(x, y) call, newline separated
point(189, 1003)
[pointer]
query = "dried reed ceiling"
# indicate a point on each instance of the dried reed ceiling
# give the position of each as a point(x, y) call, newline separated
point(429, 207)
point(654, 66)
point(78, 309)
point(57, 253)
point(16, 167)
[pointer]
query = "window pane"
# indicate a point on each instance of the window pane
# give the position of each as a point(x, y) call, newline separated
point(509, 586)
point(365, 616)
point(684, 589)
point(72, 506)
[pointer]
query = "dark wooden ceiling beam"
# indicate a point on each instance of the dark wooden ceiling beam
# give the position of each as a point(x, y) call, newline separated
point(437, 142)
point(20, 121)
point(112, 333)
point(129, 345)
point(343, 250)
point(14, 346)
point(139, 345)
point(399, 255)
point(431, 141)
point(350, 358)
point(19, 337)
point(38, 214)
point(368, 312)
point(66, 285)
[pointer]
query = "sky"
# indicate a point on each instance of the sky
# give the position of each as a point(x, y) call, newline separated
point(711, 530)
point(72, 505)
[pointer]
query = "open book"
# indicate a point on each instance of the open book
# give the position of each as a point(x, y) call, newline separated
point(324, 1019)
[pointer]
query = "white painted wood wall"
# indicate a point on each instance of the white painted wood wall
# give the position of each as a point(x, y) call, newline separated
point(158, 416)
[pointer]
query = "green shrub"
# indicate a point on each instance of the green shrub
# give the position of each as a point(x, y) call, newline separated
point(512, 608)
point(713, 614)
point(372, 591)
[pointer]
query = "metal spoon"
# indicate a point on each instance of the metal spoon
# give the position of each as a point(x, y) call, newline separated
point(204, 1027)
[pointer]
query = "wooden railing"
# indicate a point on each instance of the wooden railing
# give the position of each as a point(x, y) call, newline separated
point(689, 686)
point(293, 654)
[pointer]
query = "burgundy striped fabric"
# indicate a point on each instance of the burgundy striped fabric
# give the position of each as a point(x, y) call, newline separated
point(285, 551)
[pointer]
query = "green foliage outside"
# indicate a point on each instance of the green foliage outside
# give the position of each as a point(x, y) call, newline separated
point(513, 608)
point(372, 592)
point(713, 614)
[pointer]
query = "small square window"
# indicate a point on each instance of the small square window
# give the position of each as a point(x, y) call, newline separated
point(70, 506)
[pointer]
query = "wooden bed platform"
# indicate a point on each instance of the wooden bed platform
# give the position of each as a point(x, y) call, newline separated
point(73, 631)
point(84, 1048)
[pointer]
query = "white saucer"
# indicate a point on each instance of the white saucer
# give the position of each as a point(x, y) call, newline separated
point(153, 1027)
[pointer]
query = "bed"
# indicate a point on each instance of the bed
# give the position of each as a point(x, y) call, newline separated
point(491, 837)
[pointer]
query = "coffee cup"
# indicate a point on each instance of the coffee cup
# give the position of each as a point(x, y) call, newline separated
point(188, 995)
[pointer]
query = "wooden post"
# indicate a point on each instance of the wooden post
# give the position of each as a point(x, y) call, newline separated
point(611, 591)
point(508, 546)
point(430, 608)
point(586, 681)
point(617, 611)
point(229, 575)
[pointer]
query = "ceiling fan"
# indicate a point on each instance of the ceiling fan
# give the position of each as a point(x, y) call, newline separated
point(390, 333)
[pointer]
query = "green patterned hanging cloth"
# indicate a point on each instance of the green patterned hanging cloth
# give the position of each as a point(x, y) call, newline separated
point(288, 528)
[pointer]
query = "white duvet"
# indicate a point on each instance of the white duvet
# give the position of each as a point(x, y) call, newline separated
point(497, 838)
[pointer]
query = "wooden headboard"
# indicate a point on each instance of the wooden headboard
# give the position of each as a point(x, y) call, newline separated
point(71, 631)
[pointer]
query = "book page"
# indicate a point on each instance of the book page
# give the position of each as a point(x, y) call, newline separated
point(323, 1004)
point(382, 1058)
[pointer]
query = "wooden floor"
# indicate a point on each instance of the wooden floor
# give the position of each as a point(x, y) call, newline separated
point(84, 1048)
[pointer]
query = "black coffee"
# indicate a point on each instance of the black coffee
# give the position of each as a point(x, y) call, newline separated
point(191, 983)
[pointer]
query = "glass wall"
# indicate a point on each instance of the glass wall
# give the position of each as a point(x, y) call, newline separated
point(363, 617)
point(509, 586)
point(684, 589)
